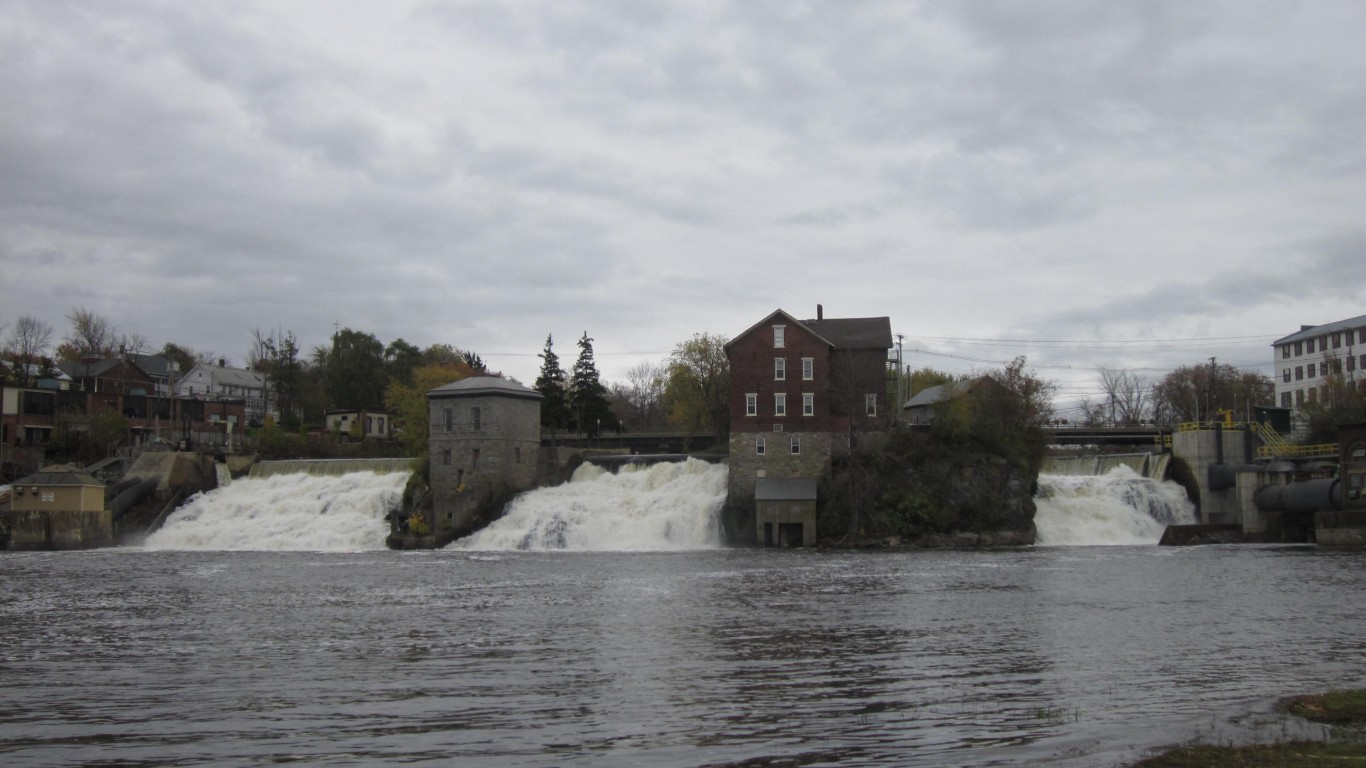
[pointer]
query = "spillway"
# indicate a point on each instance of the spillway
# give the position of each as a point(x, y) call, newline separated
point(668, 506)
point(287, 512)
point(1116, 508)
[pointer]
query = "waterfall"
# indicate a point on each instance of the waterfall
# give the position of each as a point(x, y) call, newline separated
point(222, 474)
point(658, 507)
point(298, 512)
point(1118, 507)
point(1144, 464)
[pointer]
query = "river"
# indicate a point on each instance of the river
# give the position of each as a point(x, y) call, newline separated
point(1069, 656)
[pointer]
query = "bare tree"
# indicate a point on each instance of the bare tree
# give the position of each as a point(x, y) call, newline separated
point(1127, 395)
point(27, 346)
point(644, 393)
point(90, 334)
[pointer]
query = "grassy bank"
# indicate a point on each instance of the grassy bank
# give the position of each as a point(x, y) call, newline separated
point(1344, 710)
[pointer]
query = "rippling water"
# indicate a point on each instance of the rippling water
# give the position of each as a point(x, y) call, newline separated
point(1062, 656)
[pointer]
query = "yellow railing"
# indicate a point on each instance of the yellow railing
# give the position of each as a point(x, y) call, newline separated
point(1274, 446)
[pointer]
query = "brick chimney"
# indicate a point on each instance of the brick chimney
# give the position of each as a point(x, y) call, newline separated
point(820, 312)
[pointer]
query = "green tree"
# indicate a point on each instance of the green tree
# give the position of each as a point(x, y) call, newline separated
point(279, 360)
point(551, 384)
point(354, 372)
point(697, 388)
point(400, 358)
point(588, 405)
point(409, 401)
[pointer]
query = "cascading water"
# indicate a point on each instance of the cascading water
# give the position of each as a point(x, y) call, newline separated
point(292, 512)
point(659, 507)
point(1118, 507)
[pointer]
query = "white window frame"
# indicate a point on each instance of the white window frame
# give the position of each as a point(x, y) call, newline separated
point(808, 404)
point(870, 405)
point(780, 369)
point(808, 368)
point(751, 403)
point(779, 340)
point(796, 445)
point(760, 445)
point(780, 404)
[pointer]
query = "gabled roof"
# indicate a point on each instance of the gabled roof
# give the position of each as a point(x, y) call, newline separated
point(1313, 331)
point(840, 333)
point(94, 369)
point(854, 332)
point(938, 394)
point(480, 386)
point(225, 376)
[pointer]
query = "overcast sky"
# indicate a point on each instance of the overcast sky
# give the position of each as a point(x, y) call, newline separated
point(1142, 184)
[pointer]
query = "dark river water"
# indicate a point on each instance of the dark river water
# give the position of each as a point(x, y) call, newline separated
point(1073, 656)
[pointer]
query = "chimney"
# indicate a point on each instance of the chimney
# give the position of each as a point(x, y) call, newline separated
point(820, 312)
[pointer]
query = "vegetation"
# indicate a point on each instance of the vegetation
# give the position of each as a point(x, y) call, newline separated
point(697, 390)
point(589, 410)
point(1346, 710)
point(409, 401)
point(972, 470)
point(551, 384)
point(1337, 402)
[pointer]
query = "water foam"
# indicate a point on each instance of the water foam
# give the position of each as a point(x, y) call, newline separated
point(1119, 507)
point(293, 512)
point(667, 506)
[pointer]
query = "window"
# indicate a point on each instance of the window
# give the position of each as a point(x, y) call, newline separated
point(474, 459)
point(778, 336)
point(752, 404)
point(476, 418)
point(779, 369)
point(808, 404)
point(1362, 363)
point(1351, 363)
point(1285, 399)
point(1299, 372)
point(780, 404)
point(1285, 375)
point(1299, 348)
point(1313, 394)
point(1285, 350)
point(796, 444)
point(759, 445)
point(1299, 398)
point(445, 457)
point(1337, 340)
point(808, 369)
point(449, 416)
point(1311, 370)
point(870, 404)
point(1309, 345)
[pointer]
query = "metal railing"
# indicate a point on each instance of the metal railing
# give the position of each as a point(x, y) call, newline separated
point(1274, 446)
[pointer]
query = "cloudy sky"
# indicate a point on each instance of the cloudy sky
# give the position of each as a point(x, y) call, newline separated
point(1131, 184)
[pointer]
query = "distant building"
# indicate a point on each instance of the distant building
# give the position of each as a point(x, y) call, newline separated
point(222, 382)
point(485, 439)
point(113, 375)
point(801, 392)
point(920, 409)
point(361, 423)
point(1305, 359)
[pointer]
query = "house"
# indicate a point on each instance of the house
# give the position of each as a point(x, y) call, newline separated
point(485, 439)
point(801, 393)
point(222, 382)
point(360, 423)
point(920, 409)
point(1305, 359)
point(59, 507)
point(113, 375)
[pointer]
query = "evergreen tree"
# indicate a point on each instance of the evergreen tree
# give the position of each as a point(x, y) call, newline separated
point(554, 408)
point(588, 404)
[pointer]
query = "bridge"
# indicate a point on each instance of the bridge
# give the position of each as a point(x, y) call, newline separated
point(1143, 435)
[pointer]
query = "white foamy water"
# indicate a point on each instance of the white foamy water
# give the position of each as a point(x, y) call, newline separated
point(659, 507)
point(294, 512)
point(1119, 507)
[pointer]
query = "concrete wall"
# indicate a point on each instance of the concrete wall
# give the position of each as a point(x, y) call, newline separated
point(1341, 529)
point(1202, 449)
point(60, 529)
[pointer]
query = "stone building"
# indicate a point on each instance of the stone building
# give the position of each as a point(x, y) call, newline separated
point(485, 435)
point(801, 393)
point(59, 507)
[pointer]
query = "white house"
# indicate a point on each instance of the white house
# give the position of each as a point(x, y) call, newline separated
point(220, 382)
point(1306, 358)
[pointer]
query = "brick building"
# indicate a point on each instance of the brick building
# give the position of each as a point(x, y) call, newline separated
point(801, 393)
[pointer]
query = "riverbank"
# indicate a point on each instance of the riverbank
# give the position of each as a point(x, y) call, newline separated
point(1344, 711)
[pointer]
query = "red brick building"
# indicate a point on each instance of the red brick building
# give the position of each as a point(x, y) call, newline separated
point(801, 392)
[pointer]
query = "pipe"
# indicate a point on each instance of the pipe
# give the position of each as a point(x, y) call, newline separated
point(1222, 477)
point(1324, 495)
point(131, 496)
